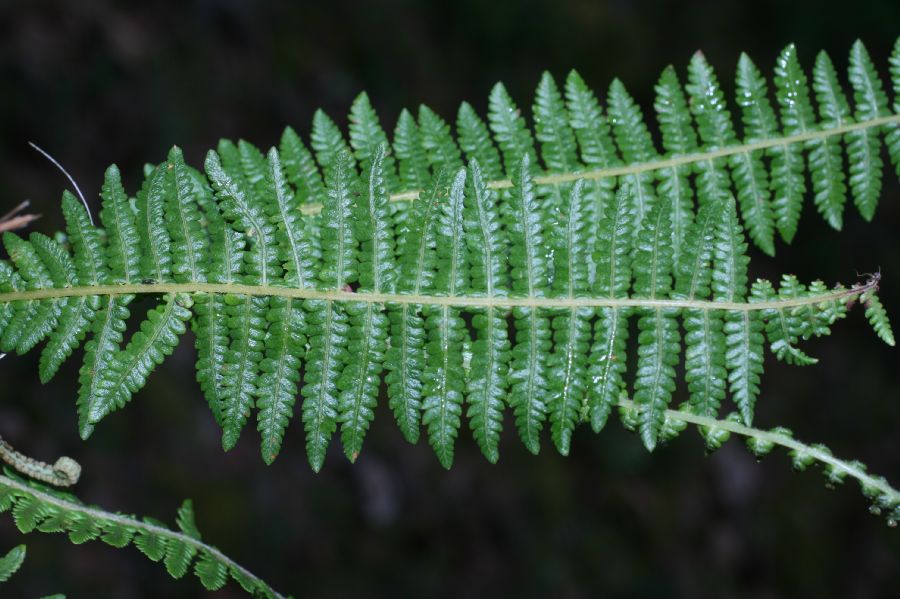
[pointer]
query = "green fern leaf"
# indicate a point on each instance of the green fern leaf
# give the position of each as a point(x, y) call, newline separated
point(232, 162)
point(99, 356)
point(439, 145)
point(678, 137)
point(475, 141)
point(567, 366)
point(658, 336)
point(825, 156)
point(117, 535)
point(703, 338)
point(75, 314)
point(613, 259)
point(743, 329)
point(28, 512)
point(209, 325)
point(178, 557)
point(864, 148)
point(118, 219)
point(366, 136)
point(35, 319)
point(156, 339)
point(156, 259)
point(212, 573)
point(782, 327)
point(442, 393)
point(300, 168)
point(893, 132)
point(11, 562)
point(552, 129)
point(327, 142)
point(182, 213)
point(53, 267)
point(591, 128)
point(185, 520)
point(83, 529)
point(410, 152)
point(367, 341)
point(252, 167)
point(714, 125)
point(510, 131)
point(246, 315)
point(149, 543)
point(635, 143)
point(513, 290)
point(280, 372)
point(284, 341)
point(487, 384)
point(596, 150)
point(877, 317)
point(404, 360)
point(328, 335)
point(792, 92)
point(529, 262)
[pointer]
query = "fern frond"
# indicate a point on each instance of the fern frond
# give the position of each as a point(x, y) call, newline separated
point(35, 507)
point(483, 294)
point(885, 499)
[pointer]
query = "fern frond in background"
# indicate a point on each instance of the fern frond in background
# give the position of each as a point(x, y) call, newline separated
point(35, 507)
point(11, 562)
point(494, 272)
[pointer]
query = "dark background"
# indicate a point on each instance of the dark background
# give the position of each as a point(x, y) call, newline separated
point(96, 82)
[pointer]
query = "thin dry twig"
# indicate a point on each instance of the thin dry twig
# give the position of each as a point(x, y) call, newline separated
point(12, 220)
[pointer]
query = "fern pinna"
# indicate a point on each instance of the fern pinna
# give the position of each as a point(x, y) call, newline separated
point(496, 271)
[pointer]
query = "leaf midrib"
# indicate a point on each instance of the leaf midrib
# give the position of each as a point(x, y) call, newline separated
point(666, 163)
point(463, 301)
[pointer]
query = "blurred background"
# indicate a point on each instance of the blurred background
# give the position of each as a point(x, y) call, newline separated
point(97, 81)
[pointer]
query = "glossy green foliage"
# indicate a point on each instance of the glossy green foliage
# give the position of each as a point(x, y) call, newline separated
point(493, 274)
point(443, 377)
point(37, 508)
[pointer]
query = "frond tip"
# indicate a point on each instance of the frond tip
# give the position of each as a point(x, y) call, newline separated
point(885, 499)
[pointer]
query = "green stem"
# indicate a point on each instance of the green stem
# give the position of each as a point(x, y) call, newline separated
point(850, 468)
point(435, 300)
point(655, 165)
